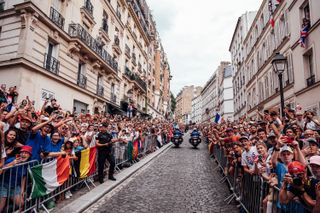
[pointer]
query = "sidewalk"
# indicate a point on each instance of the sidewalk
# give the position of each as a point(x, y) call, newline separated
point(84, 201)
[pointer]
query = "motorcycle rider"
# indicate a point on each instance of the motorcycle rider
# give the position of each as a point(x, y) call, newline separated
point(195, 133)
point(177, 132)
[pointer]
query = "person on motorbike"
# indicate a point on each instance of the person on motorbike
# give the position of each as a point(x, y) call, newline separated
point(177, 133)
point(195, 133)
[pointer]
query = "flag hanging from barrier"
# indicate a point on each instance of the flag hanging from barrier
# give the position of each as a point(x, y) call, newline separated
point(49, 176)
point(86, 163)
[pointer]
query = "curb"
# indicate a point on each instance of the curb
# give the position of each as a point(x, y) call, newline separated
point(86, 200)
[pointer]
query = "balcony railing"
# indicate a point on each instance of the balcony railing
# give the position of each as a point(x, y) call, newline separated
point(127, 51)
point(76, 30)
point(113, 98)
point(100, 90)
point(56, 17)
point(51, 64)
point(134, 59)
point(88, 7)
point(82, 80)
point(116, 41)
point(134, 77)
point(311, 81)
point(141, 15)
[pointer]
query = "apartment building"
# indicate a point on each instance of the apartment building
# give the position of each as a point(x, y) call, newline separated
point(196, 109)
point(256, 78)
point(92, 56)
point(209, 98)
point(184, 103)
point(225, 92)
point(237, 59)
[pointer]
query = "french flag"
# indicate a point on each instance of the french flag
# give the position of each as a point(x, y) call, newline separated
point(303, 35)
point(217, 118)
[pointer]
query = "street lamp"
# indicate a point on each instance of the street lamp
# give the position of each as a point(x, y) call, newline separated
point(279, 63)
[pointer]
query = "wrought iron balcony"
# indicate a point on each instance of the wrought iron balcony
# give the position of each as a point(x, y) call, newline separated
point(88, 7)
point(113, 98)
point(127, 51)
point(134, 77)
point(116, 41)
point(311, 81)
point(51, 64)
point(100, 90)
point(82, 80)
point(76, 30)
point(134, 59)
point(56, 17)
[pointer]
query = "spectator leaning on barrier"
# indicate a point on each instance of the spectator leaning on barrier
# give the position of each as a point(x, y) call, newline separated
point(14, 181)
point(249, 155)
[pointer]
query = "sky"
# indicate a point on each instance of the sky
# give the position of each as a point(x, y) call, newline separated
point(196, 35)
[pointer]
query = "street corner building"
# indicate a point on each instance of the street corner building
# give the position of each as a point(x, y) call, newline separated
point(93, 56)
point(290, 28)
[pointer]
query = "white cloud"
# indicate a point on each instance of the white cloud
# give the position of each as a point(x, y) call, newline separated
point(196, 35)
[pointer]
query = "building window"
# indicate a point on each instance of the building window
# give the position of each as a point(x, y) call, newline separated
point(51, 62)
point(82, 79)
point(306, 11)
point(309, 67)
point(105, 22)
point(2, 4)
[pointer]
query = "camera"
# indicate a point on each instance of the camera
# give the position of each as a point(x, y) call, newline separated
point(297, 180)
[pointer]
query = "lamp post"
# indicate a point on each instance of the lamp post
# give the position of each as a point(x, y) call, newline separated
point(279, 63)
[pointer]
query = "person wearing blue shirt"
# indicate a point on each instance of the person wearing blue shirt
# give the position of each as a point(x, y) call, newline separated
point(177, 133)
point(14, 178)
point(39, 138)
point(195, 133)
point(53, 149)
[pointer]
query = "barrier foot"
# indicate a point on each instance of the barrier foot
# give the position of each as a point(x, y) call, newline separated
point(87, 185)
point(90, 180)
point(216, 168)
point(230, 198)
point(223, 179)
point(45, 209)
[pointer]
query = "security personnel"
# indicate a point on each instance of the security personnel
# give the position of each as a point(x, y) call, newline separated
point(104, 142)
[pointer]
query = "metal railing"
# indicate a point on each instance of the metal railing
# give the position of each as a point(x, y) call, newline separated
point(12, 179)
point(116, 41)
point(134, 77)
point(113, 98)
point(311, 81)
point(251, 191)
point(88, 7)
point(51, 64)
point(82, 80)
point(76, 30)
point(127, 51)
point(56, 17)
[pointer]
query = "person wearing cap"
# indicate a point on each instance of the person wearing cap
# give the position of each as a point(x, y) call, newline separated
point(23, 130)
point(104, 143)
point(249, 155)
point(312, 149)
point(14, 181)
point(295, 185)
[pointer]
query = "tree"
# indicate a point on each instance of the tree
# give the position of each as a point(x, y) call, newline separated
point(173, 103)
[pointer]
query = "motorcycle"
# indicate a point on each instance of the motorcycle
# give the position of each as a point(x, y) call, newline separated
point(195, 141)
point(177, 140)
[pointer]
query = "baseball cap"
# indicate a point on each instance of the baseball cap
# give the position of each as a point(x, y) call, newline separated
point(243, 137)
point(299, 113)
point(26, 118)
point(313, 140)
point(315, 160)
point(286, 148)
point(296, 167)
point(26, 148)
point(229, 129)
point(271, 135)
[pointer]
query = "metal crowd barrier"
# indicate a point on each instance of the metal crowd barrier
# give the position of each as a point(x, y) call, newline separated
point(9, 176)
point(253, 194)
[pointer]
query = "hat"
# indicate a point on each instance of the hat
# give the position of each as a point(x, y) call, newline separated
point(26, 148)
point(44, 118)
point(299, 113)
point(296, 167)
point(271, 135)
point(315, 160)
point(26, 118)
point(286, 148)
point(229, 129)
point(59, 116)
point(243, 137)
point(313, 140)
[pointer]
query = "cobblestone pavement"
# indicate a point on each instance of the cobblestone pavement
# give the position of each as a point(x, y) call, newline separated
point(180, 180)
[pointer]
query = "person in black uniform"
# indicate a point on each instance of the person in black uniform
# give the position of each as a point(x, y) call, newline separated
point(104, 143)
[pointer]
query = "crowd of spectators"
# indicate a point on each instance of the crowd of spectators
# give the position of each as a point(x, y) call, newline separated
point(30, 134)
point(283, 151)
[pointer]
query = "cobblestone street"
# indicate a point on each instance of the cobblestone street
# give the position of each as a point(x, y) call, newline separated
point(180, 180)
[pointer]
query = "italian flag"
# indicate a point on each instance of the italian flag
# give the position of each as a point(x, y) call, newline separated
point(49, 176)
